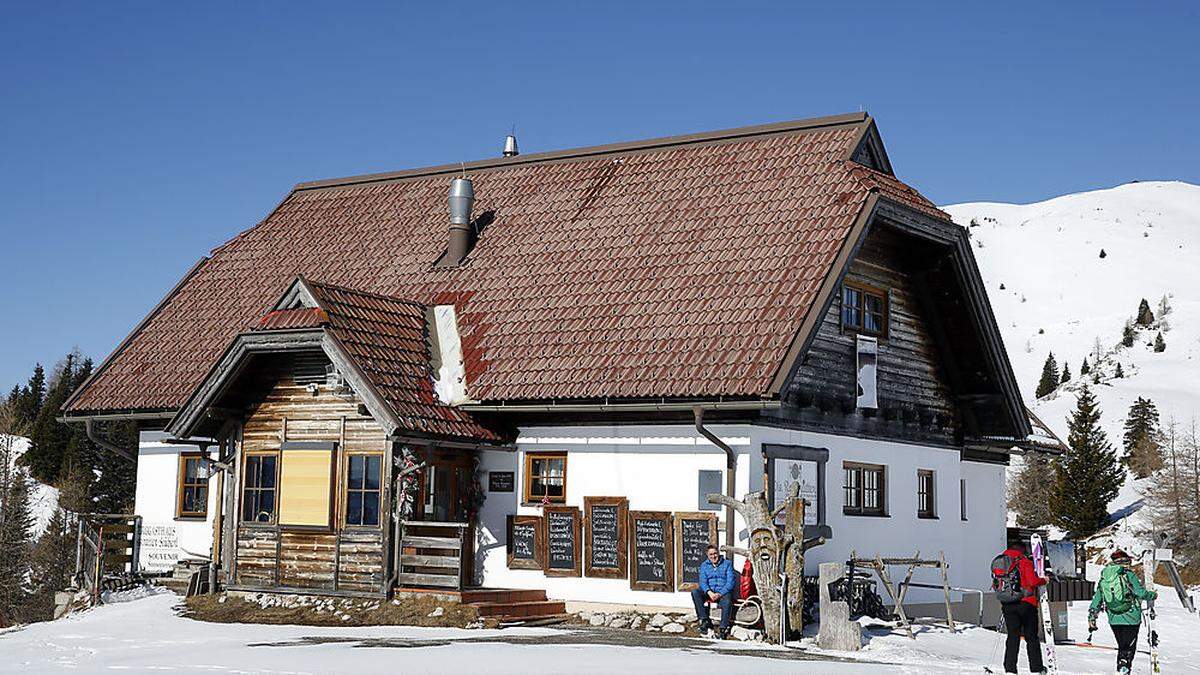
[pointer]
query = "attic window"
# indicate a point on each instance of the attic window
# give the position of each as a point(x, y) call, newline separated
point(864, 309)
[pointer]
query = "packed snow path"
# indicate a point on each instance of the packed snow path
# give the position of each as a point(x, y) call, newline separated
point(145, 635)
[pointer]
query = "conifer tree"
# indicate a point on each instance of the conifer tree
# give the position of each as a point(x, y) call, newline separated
point(1088, 477)
point(48, 437)
point(1085, 368)
point(1127, 334)
point(16, 524)
point(1144, 316)
point(1028, 494)
point(1066, 374)
point(1164, 307)
point(1160, 345)
point(1141, 435)
point(1049, 381)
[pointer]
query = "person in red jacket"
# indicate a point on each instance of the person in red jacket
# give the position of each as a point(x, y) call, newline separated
point(1021, 617)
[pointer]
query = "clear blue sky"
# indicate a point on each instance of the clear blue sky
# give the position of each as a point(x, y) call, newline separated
point(135, 137)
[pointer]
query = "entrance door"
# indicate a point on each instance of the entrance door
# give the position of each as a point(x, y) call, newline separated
point(443, 486)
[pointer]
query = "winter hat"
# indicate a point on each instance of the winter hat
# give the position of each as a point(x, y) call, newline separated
point(1119, 556)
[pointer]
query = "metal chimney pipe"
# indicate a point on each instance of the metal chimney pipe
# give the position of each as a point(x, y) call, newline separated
point(462, 198)
point(510, 146)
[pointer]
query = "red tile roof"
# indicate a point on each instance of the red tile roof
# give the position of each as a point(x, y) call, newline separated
point(299, 317)
point(386, 339)
point(671, 268)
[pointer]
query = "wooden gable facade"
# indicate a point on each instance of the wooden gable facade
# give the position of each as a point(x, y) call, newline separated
point(942, 374)
point(304, 453)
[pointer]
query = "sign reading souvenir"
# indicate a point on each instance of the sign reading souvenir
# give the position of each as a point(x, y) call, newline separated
point(605, 535)
point(525, 544)
point(158, 550)
point(562, 541)
point(501, 481)
point(651, 551)
point(693, 534)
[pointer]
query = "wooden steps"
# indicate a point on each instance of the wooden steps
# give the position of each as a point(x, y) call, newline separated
point(514, 605)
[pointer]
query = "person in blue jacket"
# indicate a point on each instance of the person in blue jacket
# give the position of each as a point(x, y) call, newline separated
point(716, 586)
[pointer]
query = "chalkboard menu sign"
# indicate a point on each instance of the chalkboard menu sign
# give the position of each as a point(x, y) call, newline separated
point(562, 541)
point(693, 533)
point(526, 544)
point(605, 536)
point(651, 551)
point(501, 481)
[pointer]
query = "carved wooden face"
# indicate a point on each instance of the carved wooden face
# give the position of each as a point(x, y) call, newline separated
point(764, 551)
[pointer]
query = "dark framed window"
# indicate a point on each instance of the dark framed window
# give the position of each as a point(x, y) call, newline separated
point(864, 309)
point(193, 487)
point(362, 489)
point(962, 498)
point(864, 489)
point(926, 494)
point(546, 477)
point(258, 488)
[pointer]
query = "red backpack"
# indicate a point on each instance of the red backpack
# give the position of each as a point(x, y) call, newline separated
point(1006, 578)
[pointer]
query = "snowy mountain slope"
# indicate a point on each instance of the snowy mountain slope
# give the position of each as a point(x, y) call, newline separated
point(1059, 295)
point(43, 499)
point(1053, 292)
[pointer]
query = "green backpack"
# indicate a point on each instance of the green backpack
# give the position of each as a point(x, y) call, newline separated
point(1115, 590)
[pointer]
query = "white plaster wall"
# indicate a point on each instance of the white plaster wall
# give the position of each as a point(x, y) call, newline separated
point(166, 539)
point(656, 468)
point(969, 545)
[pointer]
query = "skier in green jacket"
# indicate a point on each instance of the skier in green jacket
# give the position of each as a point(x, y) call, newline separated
point(1120, 594)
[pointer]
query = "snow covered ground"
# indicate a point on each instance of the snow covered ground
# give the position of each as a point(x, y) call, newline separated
point(144, 635)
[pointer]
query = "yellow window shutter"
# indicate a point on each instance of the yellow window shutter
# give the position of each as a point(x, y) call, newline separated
point(306, 486)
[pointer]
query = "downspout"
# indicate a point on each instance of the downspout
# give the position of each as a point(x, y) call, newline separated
point(95, 438)
point(730, 469)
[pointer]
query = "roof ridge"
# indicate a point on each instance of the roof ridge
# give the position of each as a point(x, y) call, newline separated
point(800, 125)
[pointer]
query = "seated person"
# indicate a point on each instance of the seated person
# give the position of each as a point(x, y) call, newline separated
point(716, 586)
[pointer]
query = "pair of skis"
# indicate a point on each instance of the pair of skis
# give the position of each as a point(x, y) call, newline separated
point(1148, 613)
point(1038, 555)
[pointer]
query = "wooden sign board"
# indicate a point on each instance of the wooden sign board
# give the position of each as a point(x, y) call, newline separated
point(501, 481)
point(606, 537)
point(563, 541)
point(693, 533)
point(651, 551)
point(526, 545)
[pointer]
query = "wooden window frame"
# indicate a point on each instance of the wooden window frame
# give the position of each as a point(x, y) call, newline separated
point(242, 497)
point(181, 483)
point(862, 289)
point(927, 478)
point(527, 477)
point(346, 490)
point(860, 490)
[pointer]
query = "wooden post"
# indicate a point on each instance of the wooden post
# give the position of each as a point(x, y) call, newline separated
point(946, 588)
point(881, 570)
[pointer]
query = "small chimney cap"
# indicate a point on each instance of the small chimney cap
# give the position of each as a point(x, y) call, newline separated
point(510, 146)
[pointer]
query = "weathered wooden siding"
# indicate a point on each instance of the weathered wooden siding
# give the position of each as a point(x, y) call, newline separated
point(339, 559)
point(360, 560)
point(256, 551)
point(914, 399)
